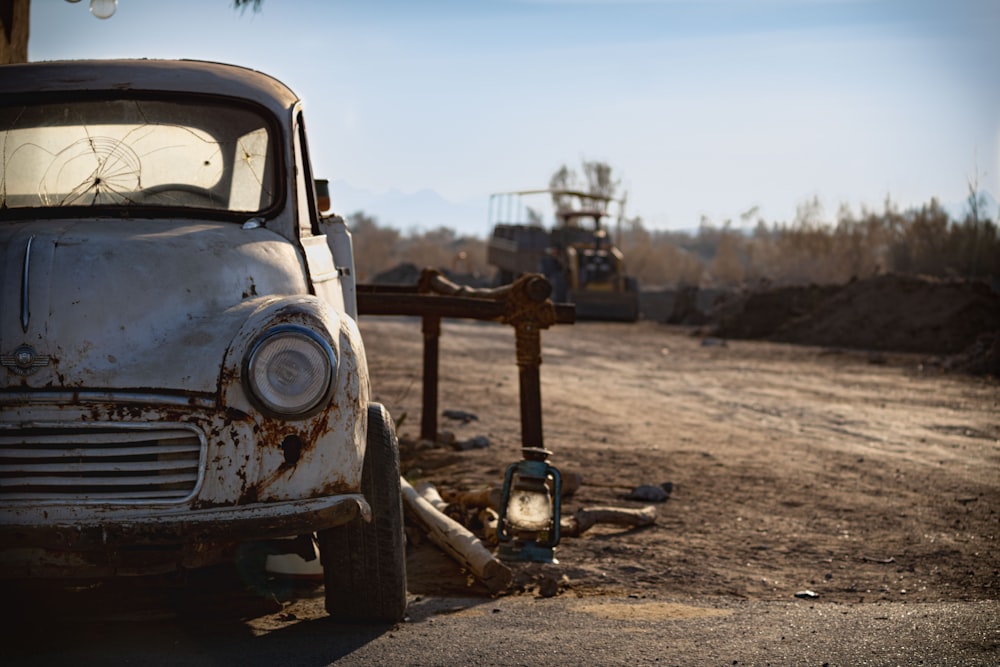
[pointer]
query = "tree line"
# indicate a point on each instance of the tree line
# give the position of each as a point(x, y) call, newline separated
point(923, 240)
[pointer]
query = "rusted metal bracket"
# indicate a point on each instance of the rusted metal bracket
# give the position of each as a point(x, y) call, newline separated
point(524, 305)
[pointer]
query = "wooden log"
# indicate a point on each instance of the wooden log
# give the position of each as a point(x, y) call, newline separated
point(429, 492)
point(491, 522)
point(488, 496)
point(455, 540)
point(586, 518)
point(486, 515)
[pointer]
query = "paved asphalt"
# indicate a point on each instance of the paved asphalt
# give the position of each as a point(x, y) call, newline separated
point(529, 631)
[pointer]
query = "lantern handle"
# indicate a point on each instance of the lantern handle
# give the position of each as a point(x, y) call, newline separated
point(502, 533)
point(553, 539)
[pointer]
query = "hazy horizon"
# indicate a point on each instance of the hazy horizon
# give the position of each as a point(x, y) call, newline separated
point(702, 108)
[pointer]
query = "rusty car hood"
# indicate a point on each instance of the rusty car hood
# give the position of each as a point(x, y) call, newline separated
point(132, 304)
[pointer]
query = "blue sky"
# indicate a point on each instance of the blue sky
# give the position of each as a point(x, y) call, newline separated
point(704, 108)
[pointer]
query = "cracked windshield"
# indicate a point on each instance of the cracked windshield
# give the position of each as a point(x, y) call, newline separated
point(136, 153)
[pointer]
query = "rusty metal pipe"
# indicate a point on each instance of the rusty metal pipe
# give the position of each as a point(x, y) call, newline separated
point(428, 419)
point(531, 407)
point(524, 304)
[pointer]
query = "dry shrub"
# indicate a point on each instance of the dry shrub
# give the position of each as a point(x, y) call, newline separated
point(810, 250)
point(379, 249)
point(655, 259)
point(376, 249)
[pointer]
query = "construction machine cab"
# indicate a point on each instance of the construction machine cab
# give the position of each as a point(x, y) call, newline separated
point(576, 254)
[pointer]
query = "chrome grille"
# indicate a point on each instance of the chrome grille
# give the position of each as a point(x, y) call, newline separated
point(100, 462)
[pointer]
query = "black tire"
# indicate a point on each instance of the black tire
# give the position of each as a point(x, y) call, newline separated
point(364, 564)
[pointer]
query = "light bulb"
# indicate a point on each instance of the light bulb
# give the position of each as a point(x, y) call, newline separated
point(530, 506)
point(529, 511)
point(103, 9)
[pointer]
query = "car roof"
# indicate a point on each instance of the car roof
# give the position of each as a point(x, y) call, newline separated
point(183, 76)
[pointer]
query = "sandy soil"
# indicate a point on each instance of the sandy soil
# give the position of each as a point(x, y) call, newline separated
point(862, 476)
point(857, 476)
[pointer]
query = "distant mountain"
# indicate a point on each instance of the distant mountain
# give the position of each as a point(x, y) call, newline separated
point(423, 210)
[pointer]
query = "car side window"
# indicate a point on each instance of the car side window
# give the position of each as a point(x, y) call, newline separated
point(305, 188)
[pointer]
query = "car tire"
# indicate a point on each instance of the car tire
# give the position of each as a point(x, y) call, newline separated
point(364, 563)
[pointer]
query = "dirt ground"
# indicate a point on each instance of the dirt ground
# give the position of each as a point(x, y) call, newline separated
point(855, 475)
point(859, 475)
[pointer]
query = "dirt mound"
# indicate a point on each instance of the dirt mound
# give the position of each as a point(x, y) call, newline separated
point(409, 274)
point(762, 314)
point(401, 274)
point(886, 313)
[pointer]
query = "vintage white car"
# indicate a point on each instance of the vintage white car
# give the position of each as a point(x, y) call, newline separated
point(182, 373)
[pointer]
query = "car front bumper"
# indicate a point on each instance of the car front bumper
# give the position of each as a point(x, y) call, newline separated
point(121, 543)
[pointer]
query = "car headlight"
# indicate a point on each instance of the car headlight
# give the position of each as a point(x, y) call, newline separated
point(290, 371)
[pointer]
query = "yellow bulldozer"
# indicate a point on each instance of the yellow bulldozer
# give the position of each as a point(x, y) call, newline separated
point(576, 254)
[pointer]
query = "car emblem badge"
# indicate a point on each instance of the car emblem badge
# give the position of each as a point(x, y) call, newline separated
point(24, 361)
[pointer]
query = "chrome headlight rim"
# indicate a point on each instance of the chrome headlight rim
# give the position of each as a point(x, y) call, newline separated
point(252, 372)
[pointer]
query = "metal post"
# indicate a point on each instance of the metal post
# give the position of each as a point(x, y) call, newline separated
point(523, 305)
point(529, 358)
point(428, 420)
point(529, 311)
